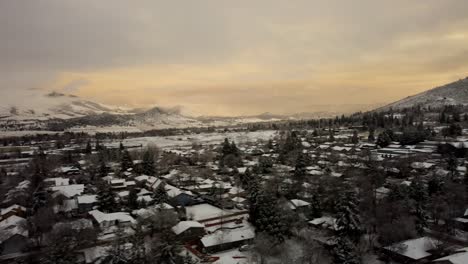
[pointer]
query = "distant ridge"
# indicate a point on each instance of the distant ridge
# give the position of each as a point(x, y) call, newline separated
point(455, 93)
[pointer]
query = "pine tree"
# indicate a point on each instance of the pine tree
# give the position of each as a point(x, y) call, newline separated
point(106, 198)
point(126, 161)
point(88, 149)
point(315, 207)
point(452, 165)
point(383, 140)
point(269, 219)
point(348, 221)
point(331, 136)
point(133, 199)
point(98, 146)
point(103, 170)
point(418, 193)
point(160, 195)
point(355, 138)
point(300, 173)
point(344, 252)
point(61, 251)
point(149, 167)
point(371, 137)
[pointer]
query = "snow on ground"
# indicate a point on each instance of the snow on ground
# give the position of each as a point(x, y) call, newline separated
point(233, 256)
point(6, 134)
point(108, 129)
point(203, 138)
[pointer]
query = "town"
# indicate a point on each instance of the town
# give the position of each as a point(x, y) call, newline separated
point(374, 187)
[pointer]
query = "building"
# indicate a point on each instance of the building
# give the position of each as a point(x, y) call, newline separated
point(15, 209)
point(104, 220)
point(188, 230)
point(13, 235)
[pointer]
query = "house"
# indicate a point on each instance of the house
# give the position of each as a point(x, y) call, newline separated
point(324, 222)
point(69, 191)
point(188, 230)
point(49, 182)
point(413, 250)
point(179, 197)
point(66, 206)
point(15, 209)
point(69, 170)
point(461, 223)
point(152, 183)
point(86, 202)
point(13, 235)
point(297, 205)
point(104, 220)
point(118, 184)
point(227, 238)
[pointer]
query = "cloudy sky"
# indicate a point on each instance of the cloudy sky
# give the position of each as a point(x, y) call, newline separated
point(220, 57)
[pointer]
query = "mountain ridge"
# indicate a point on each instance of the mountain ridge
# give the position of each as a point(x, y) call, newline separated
point(454, 93)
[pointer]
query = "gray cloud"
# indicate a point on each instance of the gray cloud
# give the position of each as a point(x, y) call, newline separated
point(42, 39)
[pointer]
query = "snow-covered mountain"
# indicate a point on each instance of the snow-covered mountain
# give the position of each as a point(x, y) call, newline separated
point(455, 93)
point(37, 105)
point(37, 110)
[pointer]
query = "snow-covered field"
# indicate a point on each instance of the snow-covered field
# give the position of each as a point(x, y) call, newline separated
point(109, 129)
point(203, 138)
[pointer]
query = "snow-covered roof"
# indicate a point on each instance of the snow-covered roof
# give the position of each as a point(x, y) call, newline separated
point(173, 191)
point(11, 226)
point(238, 199)
point(69, 190)
point(14, 207)
point(325, 221)
point(185, 225)
point(299, 203)
point(422, 165)
point(103, 217)
point(58, 181)
point(87, 199)
point(225, 236)
point(415, 249)
point(144, 198)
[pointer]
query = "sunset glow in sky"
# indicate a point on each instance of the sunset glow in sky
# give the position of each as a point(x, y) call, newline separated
point(217, 57)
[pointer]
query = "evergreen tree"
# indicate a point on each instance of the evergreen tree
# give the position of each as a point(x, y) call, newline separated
point(270, 220)
point(61, 251)
point(384, 139)
point(344, 252)
point(315, 207)
point(452, 165)
point(348, 221)
point(355, 138)
point(419, 196)
point(88, 149)
point(331, 136)
point(133, 199)
point(300, 173)
point(371, 137)
point(98, 146)
point(126, 161)
point(103, 170)
point(106, 198)
point(160, 195)
point(149, 167)
point(315, 133)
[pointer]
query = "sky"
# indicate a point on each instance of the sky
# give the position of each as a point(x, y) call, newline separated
point(220, 57)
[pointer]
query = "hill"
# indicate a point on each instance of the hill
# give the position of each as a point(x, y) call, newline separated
point(455, 93)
